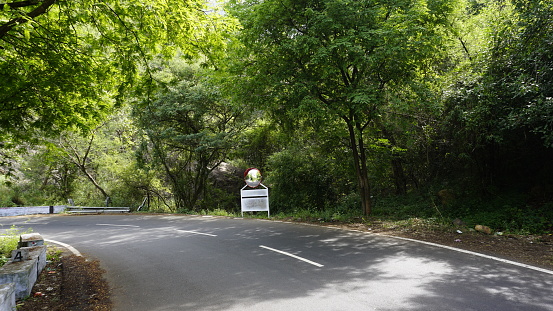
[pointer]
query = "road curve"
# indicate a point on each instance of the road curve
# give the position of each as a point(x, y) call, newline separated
point(162, 263)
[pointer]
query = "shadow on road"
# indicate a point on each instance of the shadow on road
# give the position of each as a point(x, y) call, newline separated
point(159, 263)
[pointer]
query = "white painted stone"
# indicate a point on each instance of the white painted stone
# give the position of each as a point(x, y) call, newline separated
point(7, 297)
point(24, 273)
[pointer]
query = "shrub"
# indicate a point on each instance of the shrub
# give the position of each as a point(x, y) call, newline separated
point(8, 242)
point(299, 180)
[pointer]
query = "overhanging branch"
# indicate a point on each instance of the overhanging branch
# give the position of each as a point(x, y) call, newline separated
point(20, 4)
point(41, 9)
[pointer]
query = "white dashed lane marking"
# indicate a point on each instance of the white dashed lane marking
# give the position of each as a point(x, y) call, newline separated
point(293, 256)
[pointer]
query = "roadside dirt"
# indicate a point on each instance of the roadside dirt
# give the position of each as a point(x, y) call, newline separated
point(72, 283)
point(535, 250)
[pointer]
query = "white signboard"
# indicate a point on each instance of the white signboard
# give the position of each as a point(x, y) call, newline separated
point(255, 200)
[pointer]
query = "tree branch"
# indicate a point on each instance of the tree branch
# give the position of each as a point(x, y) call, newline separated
point(41, 9)
point(20, 4)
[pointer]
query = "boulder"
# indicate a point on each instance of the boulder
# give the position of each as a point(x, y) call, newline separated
point(483, 229)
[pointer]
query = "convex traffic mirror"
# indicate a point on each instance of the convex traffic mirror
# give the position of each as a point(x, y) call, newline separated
point(252, 177)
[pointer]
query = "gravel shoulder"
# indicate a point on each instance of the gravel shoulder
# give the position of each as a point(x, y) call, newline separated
point(534, 250)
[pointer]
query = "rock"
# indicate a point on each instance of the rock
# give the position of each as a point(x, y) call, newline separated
point(458, 222)
point(483, 229)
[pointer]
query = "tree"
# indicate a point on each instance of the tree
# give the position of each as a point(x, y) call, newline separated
point(66, 64)
point(82, 159)
point(520, 73)
point(499, 105)
point(342, 58)
point(191, 128)
point(44, 177)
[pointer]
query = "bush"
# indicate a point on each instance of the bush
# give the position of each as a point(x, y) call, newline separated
point(8, 242)
point(522, 220)
point(503, 212)
point(299, 180)
point(406, 207)
point(6, 194)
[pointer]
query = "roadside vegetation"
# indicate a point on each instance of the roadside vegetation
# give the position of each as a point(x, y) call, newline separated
point(9, 241)
point(409, 213)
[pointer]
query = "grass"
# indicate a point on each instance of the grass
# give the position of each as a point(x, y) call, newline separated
point(218, 212)
point(53, 254)
point(8, 242)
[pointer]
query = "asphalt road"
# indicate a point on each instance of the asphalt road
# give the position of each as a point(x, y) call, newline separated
point(159, 263)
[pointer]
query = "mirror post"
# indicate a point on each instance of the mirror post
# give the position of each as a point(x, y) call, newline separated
point(252, 199)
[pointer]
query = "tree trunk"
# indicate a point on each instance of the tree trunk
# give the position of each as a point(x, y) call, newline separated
point(80, 162)
point(400, 180)
point(357, 147)
point(93, 180)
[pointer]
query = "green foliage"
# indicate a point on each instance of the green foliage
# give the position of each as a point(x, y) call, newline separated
point(6, 195)
point(53, 254)
point(301, 180)
point(405, 207)
point(257, 143)
point(338, 60)
point(519, 74)
point(348, 203)
point(323, 215)
point(53, 79)
point(498, 107)
point(191, 128)
point(326, 97)
point(65, 65)
point(219, 212)
point(9, 240)
point(44, 177)
point(65, 168)
point(507, 213)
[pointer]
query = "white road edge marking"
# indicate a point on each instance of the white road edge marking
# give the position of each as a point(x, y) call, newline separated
point(112, 225)
point(293, 256)
point(69, 247)
point(196, 232)
point(460, 250)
